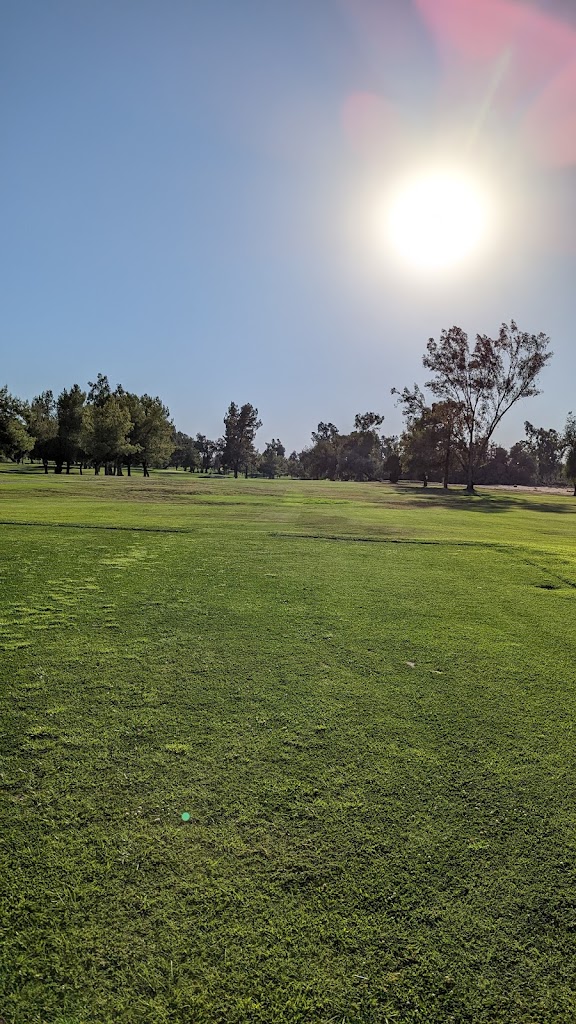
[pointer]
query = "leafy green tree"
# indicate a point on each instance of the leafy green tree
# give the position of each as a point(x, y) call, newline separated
point(272, 462)
point(570, 446)
point(511, 468)
point(43, 425)
point(393, 465)
point(420, 451)
point(429, 436)
point(360, 452)
point(240, 425)
point(547, 447)
point(320, 460)
point(360, 455)
point(155, 437)
point(419, 440)
point(69, 411)
point(105, 436)
point(484, 382)
point(100, 390)
point(121, 427)
point(201, 444)
point(496, 466)
point(293, 465)
point(184, 452)
point(522, 464)
point(207, 450)
point(15, 440)
point(325, 432)
point(151, 436)
point(219, 458)
point(368, 422)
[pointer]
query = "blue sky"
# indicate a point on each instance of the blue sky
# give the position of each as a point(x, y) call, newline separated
point(187, 190)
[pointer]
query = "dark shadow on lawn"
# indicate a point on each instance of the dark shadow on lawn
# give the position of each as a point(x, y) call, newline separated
point(457, 497)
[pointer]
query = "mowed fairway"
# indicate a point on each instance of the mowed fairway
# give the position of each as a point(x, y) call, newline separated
point(364, 697)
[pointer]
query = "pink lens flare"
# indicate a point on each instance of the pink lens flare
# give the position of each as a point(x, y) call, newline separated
point(549, 127)
point(539, 67)
point(369, 120)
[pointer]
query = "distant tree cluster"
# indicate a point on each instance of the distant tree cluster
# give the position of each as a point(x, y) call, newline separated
point(448, 437)
point(363, 454)
point(428, 451)
point(116, 430)
point(475, 389)
point(101, 428)
point(451, 438)
point(233, 452)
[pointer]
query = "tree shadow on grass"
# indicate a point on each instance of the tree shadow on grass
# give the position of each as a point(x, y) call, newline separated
point(456, 497)
point(6, 468)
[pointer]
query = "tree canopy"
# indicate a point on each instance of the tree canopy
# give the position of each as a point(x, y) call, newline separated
point(241, 424)
point(483, 382)
point(15, 439)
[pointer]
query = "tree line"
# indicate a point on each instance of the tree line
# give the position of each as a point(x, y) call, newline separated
point(115, 430)
point(98, 428)
point(447, 436)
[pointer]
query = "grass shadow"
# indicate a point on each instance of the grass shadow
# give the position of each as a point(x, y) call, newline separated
point(458, 498)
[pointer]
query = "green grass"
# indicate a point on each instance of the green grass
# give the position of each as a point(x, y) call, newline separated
point(363, 696)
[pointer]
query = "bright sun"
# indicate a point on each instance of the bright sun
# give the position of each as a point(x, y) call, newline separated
point(437, 219)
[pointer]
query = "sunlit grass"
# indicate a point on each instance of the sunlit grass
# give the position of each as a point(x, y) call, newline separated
point(363, 696)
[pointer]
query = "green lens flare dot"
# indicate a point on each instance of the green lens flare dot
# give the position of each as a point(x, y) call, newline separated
point(185, 816)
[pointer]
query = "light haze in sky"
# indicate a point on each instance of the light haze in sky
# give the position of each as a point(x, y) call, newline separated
point(194, 198)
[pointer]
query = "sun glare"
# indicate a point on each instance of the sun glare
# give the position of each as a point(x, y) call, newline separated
point(435, 221)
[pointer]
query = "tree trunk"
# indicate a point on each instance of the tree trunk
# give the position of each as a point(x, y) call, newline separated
point(235, 470)
point(97, 469)
point(67, 469)
point(447, 461)
point(129, 468)
point(470, 477)
point(80, 464)
point(470, 467)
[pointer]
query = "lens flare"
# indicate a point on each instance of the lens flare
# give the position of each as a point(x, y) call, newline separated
point(436, 220)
